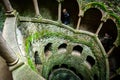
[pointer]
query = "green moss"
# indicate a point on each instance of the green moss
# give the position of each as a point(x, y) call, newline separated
point(29, 60)
point(112, 14)
point(47, 34)
point(69, 60)
point(95, 4)
point(117, 18)
point(31, 64)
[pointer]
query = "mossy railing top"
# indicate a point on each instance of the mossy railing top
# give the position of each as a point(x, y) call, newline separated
point(59, 24)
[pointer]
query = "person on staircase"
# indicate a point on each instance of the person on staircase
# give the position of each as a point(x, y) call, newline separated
point(65, 17)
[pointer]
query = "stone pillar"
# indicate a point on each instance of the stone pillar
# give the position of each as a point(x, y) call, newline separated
point(79, 20)
point(6, 52)
point(59, 9)
point(78, 24)
point(7, 6)
point(111, 50)
point(99, 28)
point(103, 20)
point(36, 7)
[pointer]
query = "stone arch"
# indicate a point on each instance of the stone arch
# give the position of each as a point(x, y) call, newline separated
point(109, 27)
point(90, 60)
point(48, 49)
point(63, 74)
point(77, 50)
point(72, 7)
point(91, 20)
point(62, 48)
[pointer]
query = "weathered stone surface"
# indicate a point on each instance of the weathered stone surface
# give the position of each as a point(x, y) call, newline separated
point(26, 73)
point(9, 34)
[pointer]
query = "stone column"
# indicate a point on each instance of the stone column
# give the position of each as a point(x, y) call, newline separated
point(103, 20)
point(111, 50)
point(36, 7)
point(79, 20)
point(59, 9)
point(7, 6)
point(6, 52)
point(78, 24)
point(99, 28)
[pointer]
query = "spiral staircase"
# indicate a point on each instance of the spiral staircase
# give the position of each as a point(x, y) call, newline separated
point(66, 52)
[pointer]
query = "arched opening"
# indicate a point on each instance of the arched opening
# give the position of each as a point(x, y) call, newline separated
point(48, 9)
point(109, 28)
point(37, 58)
point(73, 9)
point(91, 20)
point(48, 49)
point(90, 60)
point(77, 50)
point(114, 61)
point(60, 66)
point(24, 7)
point(63, 74)
point(62, 48)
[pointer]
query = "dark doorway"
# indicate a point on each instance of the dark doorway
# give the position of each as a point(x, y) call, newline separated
point(91, 20)
point(73, 9)
point(110, 28)
point(24, 7)
point(48, 9)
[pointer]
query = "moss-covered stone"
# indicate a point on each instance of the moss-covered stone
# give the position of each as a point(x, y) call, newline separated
point(95, 5)
point(51, 33)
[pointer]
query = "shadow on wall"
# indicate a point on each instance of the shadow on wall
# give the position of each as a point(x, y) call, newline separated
point(114, 63)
